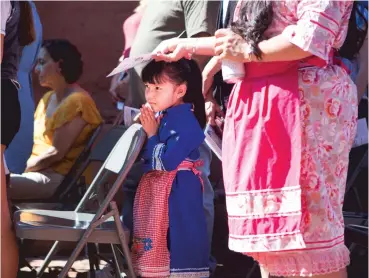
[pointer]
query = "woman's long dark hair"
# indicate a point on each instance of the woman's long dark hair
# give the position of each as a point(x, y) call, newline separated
point(255, 18)
point(355, 34)
point(181, 72)
point(26, 27)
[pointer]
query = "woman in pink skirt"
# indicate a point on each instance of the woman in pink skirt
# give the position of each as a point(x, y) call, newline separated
point(288, 131)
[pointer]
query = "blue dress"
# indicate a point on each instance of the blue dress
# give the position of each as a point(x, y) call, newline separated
point(20, 149)
point(179, 138)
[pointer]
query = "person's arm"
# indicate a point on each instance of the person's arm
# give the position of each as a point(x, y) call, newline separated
point(181, 140)
point(211, 68)
point(199, 18)
point(63, 139)
point(200, 23)
point(315, 33)
point(362, 76)
point(279, 48)
point(167, 156)
point(175, 49)
point(319, 24)
point(201, 60)
point(5, 13)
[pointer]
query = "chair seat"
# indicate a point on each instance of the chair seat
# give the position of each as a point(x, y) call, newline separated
point(63, 226)
point(355, 218)
point(43, 206)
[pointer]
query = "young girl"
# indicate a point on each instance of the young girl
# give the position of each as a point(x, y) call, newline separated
point(170, 234)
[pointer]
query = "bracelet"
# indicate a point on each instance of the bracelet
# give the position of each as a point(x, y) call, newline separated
point(192, 53)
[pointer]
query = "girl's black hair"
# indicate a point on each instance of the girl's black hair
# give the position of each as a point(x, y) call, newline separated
point(252, 28)
point(26, 27)
point(68, 56)
point(355, 34)
point(181, 72)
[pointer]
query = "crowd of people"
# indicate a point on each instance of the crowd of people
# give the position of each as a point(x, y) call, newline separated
point(289, 117)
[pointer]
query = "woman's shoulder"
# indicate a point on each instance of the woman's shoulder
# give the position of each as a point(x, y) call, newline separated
point(81, 101)
point(79, 98)
point(78, 103)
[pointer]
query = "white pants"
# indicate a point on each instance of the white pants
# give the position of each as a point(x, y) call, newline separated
point(34, 185)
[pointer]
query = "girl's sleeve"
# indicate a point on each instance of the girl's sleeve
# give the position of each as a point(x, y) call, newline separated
point(167, 156)
point(320, 25)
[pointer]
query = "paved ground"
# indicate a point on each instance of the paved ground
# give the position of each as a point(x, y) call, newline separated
point(230, 264)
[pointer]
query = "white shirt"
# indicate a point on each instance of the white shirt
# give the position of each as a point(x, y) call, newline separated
point(6, 8)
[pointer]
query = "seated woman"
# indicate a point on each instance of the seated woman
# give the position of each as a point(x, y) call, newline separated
point(65, 118)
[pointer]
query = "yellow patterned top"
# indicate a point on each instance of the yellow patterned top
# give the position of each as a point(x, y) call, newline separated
point(75, 104)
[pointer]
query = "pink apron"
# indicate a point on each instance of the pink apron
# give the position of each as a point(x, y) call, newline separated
point(150, 254)
point(261, 159)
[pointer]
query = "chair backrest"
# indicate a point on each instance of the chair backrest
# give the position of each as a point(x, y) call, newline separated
point(64, 186)
point(119, 161)
point(102, 149)
point(99, 152)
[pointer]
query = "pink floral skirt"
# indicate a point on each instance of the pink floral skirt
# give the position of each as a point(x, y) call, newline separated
point(305, 263)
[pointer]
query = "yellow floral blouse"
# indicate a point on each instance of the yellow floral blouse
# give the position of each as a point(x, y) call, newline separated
point(75, 104)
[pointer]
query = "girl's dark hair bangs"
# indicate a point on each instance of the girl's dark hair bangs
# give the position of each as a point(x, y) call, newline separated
point(153, 73)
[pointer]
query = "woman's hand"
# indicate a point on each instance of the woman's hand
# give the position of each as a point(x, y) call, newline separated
point(148, 121)
point(31, 162)
point(212, 109)
point(229, 45)
point(171, 50)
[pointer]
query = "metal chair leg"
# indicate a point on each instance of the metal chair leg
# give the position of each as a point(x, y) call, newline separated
point(47, 260)
point(83, 241)
point(117, 261)
point(123, 240)
point(91, 259)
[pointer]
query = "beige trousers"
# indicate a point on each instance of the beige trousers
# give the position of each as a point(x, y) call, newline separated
point(34, 185)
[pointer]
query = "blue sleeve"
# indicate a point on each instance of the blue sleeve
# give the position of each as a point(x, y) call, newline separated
point(167, 156)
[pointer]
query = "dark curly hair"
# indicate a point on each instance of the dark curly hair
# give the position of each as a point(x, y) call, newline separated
point(252, 28)
point(68, 56)
point(181, 72)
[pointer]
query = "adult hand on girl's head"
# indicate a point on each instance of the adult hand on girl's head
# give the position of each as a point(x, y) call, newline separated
point(231, 46)
point(148, 121)
point(171, 50)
